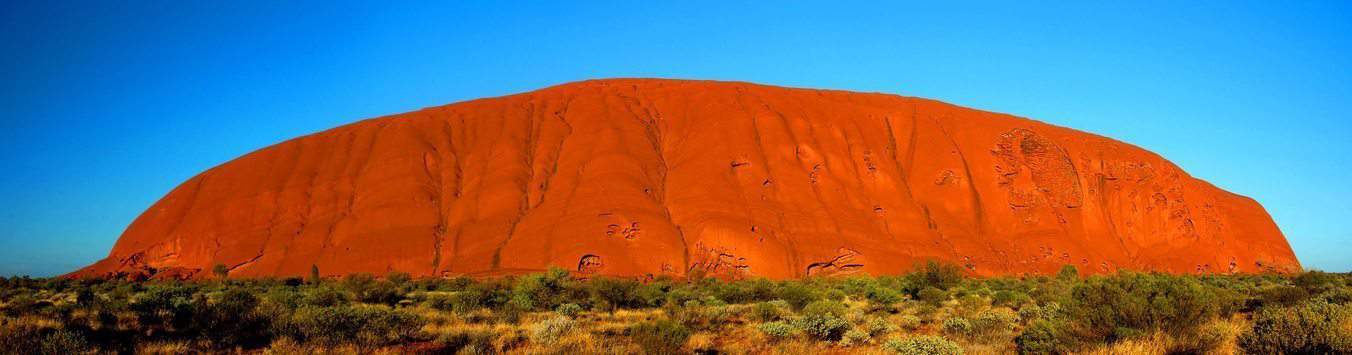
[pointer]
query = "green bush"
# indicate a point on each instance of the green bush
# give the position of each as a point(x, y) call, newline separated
point(232, 320)
point(970, 305)
point(932, 295)
point(359, 325)
point(766, 311)
point(1113, 308)
point(878, 326)
point(167, 307)
point(516, 306)
point(1031, 312)
point(798, 294)
point(823, 320)
point(1316, 282)
point(1010, 298)
point(1280, 296)
point(934, 274)
point(611, 293)
point(660, 337)
point(546, 290)
point(855, 337)
point(994, 321)
point(1310, 328)
point(776, 330)
point(1068, 273)
point(755, 290)
point(1041, 337)
point(908, 322)
point(923, 345)
point(325, 297)
point(568, 310)
point(380, 292)
point(957, 326)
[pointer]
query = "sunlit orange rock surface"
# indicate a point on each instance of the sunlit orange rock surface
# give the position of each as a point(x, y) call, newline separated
point(651, 177)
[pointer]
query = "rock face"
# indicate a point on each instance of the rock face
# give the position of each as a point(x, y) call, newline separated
point(648, 177)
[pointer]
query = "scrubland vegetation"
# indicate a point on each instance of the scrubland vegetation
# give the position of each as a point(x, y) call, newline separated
point(934, 310)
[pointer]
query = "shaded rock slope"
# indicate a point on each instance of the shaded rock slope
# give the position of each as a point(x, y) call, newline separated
point(645, 177)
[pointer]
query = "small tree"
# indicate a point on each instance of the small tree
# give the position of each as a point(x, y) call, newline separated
point(1068, 273)
point(221, 271)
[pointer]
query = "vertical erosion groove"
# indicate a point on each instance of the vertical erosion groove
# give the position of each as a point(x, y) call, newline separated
point(978, 218)
point(527, 150)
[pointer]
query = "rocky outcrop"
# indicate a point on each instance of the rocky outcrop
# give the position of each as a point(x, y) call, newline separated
point(649, 177)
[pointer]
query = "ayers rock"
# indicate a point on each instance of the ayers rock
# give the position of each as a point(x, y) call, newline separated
point(645, 177)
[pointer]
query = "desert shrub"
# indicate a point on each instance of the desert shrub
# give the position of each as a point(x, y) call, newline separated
point(932, 295)
point(612, 293)
point(994, 321)
point(516, 306)
point(164, 307)
point(398, 278)
point(1009, 298)
point(31, 339)
point(1279, 296)
point(1316, 282)
point(1341, 295)
point(660, 337)
point(655, 293)
point(26, 304)
point(969, 305)
point(1129, 304)
point(701, 317)
point(360, 325)
point(325, 297)
point(545, 290)
point(881, 298)
point(957, 326)
point(286, 297)
point(467, 342)
point(480, 295)
point(1068, 273)
point(797, 294)
point(776, 330)
point(380, 292)
point(85, 298)
point(232, 320)
point(908, 322)
point(357, 282)
point(1041, 337)
point(568, 310)
point(879, 326)
point(855, 337)
point(822, 320)
point(934, 274)
point(767, 311)
point(440, 301)
point(548, 331)
point(856, 286)
point(755, 290)
point(1310, 328)
point(923, 345)
point(1031, 312)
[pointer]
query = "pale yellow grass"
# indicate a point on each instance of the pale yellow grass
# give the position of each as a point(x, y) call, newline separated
point(164, 348)
point(1163, 343)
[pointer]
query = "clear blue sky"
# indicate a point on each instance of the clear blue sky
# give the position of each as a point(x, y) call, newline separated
point(105, 106)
